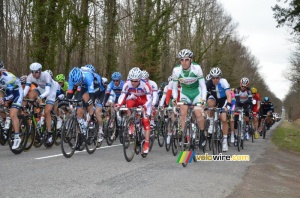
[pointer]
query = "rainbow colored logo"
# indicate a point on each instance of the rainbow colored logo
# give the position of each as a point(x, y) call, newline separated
point(185, 157)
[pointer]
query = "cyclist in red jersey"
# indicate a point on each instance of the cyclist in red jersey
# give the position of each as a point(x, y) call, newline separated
point(136, 92)
point(255, 109)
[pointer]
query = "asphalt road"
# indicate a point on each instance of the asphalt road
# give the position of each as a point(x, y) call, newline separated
point(45, 172)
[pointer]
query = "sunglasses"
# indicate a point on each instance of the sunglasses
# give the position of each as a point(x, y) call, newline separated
point(215, 78)
point(185, 59)
point(134, 81)
point(35, 72)
point(23, 83)
point(116, 80)
point(244, 87)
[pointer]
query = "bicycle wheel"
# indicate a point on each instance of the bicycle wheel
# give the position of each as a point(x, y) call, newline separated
point(129, 140)
point(251, 129)
point(264, 130)
point(23, 134)
point(69, 132)
point(168, 130)
point(175, 138)
point(31, 133)
point(110, 130)
point(185, 143)
point(91, 137)
point(238, 137)
point(160, 132)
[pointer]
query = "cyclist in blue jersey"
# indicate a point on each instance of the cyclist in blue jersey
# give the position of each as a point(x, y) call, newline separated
point(116, 86)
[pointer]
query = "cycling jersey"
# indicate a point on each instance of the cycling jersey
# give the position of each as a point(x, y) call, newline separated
point(154, 89)
point(111, 87)
point(142, 95)
point(265, 107)
point(65, 86)
point(13, 89)
point(243, 98)
point(255, 107)
point(44, 86)
point(218, 92)
point(193, 88)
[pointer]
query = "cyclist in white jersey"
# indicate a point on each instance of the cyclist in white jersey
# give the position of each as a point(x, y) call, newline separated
point(11, 92)
point(45, 90)
point(193, 88)
point(153, 85)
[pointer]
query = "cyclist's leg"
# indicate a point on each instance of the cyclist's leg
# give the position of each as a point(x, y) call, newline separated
point(211, 102)
point(13, 113)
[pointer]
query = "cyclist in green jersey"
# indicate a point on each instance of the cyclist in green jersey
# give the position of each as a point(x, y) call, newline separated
point(61, 79)
point(193, 88)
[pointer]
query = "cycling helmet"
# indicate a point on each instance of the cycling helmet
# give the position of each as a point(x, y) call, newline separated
point(49, 72)
point(253, 90)
point(35, 66)
point(116, 76)
point(91, 67)
point(60, 78)
point(75, 76)
point(266, 99)
point(145, 74)
point(23, 79)
point(135, 73)
point(185, 53)
point(208, 77)
point(104, 80)
point(244, 82)
point(162, 85)
point(2, 65)
point(215, 72)
point(170, 78)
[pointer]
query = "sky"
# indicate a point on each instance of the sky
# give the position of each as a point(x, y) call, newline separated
point(270, 45)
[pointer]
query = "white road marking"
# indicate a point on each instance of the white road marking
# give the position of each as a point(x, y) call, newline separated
point(50, 156)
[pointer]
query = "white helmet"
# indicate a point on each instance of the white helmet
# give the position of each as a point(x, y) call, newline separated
point(104, 80)
point(49, 72)
point(185, 53)
point(135, 73)
point(35, 66)
point(244, 82)
point(145, 74)
point(208, 77)
point(215, 72)
point(170, 78)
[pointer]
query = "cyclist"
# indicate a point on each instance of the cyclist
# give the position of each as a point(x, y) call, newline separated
point(61, 79)
point(255, 109)
point(85, 82)
point(136, 92)
point(44, 90)
point(219, 96)
point(116, 86)
point(193, 88)
point(233, 103)
point(243, 98)
point(59, 94)
point(266, 110)
point(153, 85)
point(11, 92)
point(99, 92)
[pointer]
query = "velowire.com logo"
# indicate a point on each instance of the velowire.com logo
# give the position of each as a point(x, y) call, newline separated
point(189, 156)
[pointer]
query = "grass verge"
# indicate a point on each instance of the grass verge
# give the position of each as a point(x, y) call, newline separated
point(287, 136)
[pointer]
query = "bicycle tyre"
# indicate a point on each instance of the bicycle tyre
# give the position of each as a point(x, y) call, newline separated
point(175, 138)
point(69, 137)
point(110, 132)
point(53, 131)
point(129, 141)
point(238, 137)
point(91, 142)
point(160, 129)
point(31, 133)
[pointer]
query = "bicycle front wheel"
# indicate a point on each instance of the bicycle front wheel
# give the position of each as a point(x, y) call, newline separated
point(129, 140)
point(91, 138)
point(31, 133)
point(160, 132)
point(69, 137)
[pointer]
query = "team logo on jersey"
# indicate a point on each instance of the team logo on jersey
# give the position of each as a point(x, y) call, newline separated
point(188, 80)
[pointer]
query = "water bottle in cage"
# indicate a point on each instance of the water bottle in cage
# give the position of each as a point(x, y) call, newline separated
point(7, 123)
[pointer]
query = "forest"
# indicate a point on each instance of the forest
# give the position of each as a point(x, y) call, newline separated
point(116, 35)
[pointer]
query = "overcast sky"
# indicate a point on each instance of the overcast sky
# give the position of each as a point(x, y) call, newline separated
point(270, 45)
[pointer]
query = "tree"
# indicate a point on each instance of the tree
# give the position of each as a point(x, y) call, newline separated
point(289, 16)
